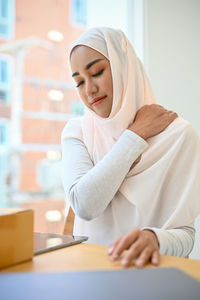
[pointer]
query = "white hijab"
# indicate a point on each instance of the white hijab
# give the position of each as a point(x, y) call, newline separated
point(164, 186)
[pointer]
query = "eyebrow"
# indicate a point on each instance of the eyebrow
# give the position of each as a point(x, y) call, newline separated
point(88, 66)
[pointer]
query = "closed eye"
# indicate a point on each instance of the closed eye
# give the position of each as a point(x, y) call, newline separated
point(93, 75)
point(81, 82)
point(98, 73)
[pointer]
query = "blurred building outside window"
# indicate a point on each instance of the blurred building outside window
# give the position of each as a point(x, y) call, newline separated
point(37, 98)
point(79, 12)
point(77, 108)
point(7, 8)
point(3, 132)
point(5, 78)
point(4, 164)
point(49, 170)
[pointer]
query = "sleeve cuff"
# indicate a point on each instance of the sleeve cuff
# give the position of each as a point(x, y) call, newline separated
point(135, 138)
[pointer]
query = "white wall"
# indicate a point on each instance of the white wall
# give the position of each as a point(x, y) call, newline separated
point(171, 50)
point(172, 54)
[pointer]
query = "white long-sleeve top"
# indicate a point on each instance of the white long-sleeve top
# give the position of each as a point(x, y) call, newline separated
point(93, 194)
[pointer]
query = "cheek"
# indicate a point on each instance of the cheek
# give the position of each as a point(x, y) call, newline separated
point(104, 85)
point(108, 83)
point(83, 97)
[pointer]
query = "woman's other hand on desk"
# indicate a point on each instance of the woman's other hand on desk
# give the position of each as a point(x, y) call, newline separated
point(142, 246)
point(151, 119)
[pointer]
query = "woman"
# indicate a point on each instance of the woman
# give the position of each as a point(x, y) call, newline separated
point(131, 169)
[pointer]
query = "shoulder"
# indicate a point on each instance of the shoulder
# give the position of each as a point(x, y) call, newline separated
point(72, 129)
point(182, 127)
point(187, 128)
point(184, 132)
point(179, 132)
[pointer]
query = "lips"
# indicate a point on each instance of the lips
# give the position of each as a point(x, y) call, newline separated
point(98, 100)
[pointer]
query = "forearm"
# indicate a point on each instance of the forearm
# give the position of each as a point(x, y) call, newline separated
point(91, 188)
point(175, 242)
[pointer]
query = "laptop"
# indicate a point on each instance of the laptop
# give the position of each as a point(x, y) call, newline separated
point(44, 242)
point(128, 284)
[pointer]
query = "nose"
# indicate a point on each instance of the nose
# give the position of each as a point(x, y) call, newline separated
point(91, 87)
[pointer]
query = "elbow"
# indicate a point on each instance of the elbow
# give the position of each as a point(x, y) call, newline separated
point(82, 207)
point(84, 214)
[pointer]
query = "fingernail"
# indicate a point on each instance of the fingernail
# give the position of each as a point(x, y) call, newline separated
point(110, 250)
point(155, 261)
point(139, 263)
point(124, 262)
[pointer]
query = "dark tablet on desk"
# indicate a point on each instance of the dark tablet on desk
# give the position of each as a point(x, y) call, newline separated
point(44, 242)
point(130, 284)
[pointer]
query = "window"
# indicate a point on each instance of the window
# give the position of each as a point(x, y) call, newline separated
point(3, 134)
point(79, 12)
point(6, 18)
point(5, 79)
point(48, 175)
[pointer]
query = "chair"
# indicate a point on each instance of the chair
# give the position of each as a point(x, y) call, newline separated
point(69, 223)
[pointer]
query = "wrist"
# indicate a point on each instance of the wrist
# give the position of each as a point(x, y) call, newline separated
point(154, 236)
point(139, 132)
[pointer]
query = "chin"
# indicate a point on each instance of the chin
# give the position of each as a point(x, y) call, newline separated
point(103, 115)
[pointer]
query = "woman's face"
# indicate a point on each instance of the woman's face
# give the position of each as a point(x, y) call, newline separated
point(92, 74)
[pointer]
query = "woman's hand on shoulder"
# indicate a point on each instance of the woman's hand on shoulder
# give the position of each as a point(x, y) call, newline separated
point(152, 119)
point(141, 246)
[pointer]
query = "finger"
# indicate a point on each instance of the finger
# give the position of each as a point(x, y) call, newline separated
point(168, 118)
point(125, 242)
point(160, 107)
point(133, 252)
point(144, 257)
point(155, 259)
point(113, 246)
point(156, 105)
point(173, 114)
point(156, 108)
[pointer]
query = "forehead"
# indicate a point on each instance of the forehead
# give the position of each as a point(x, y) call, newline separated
point(82, 55)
